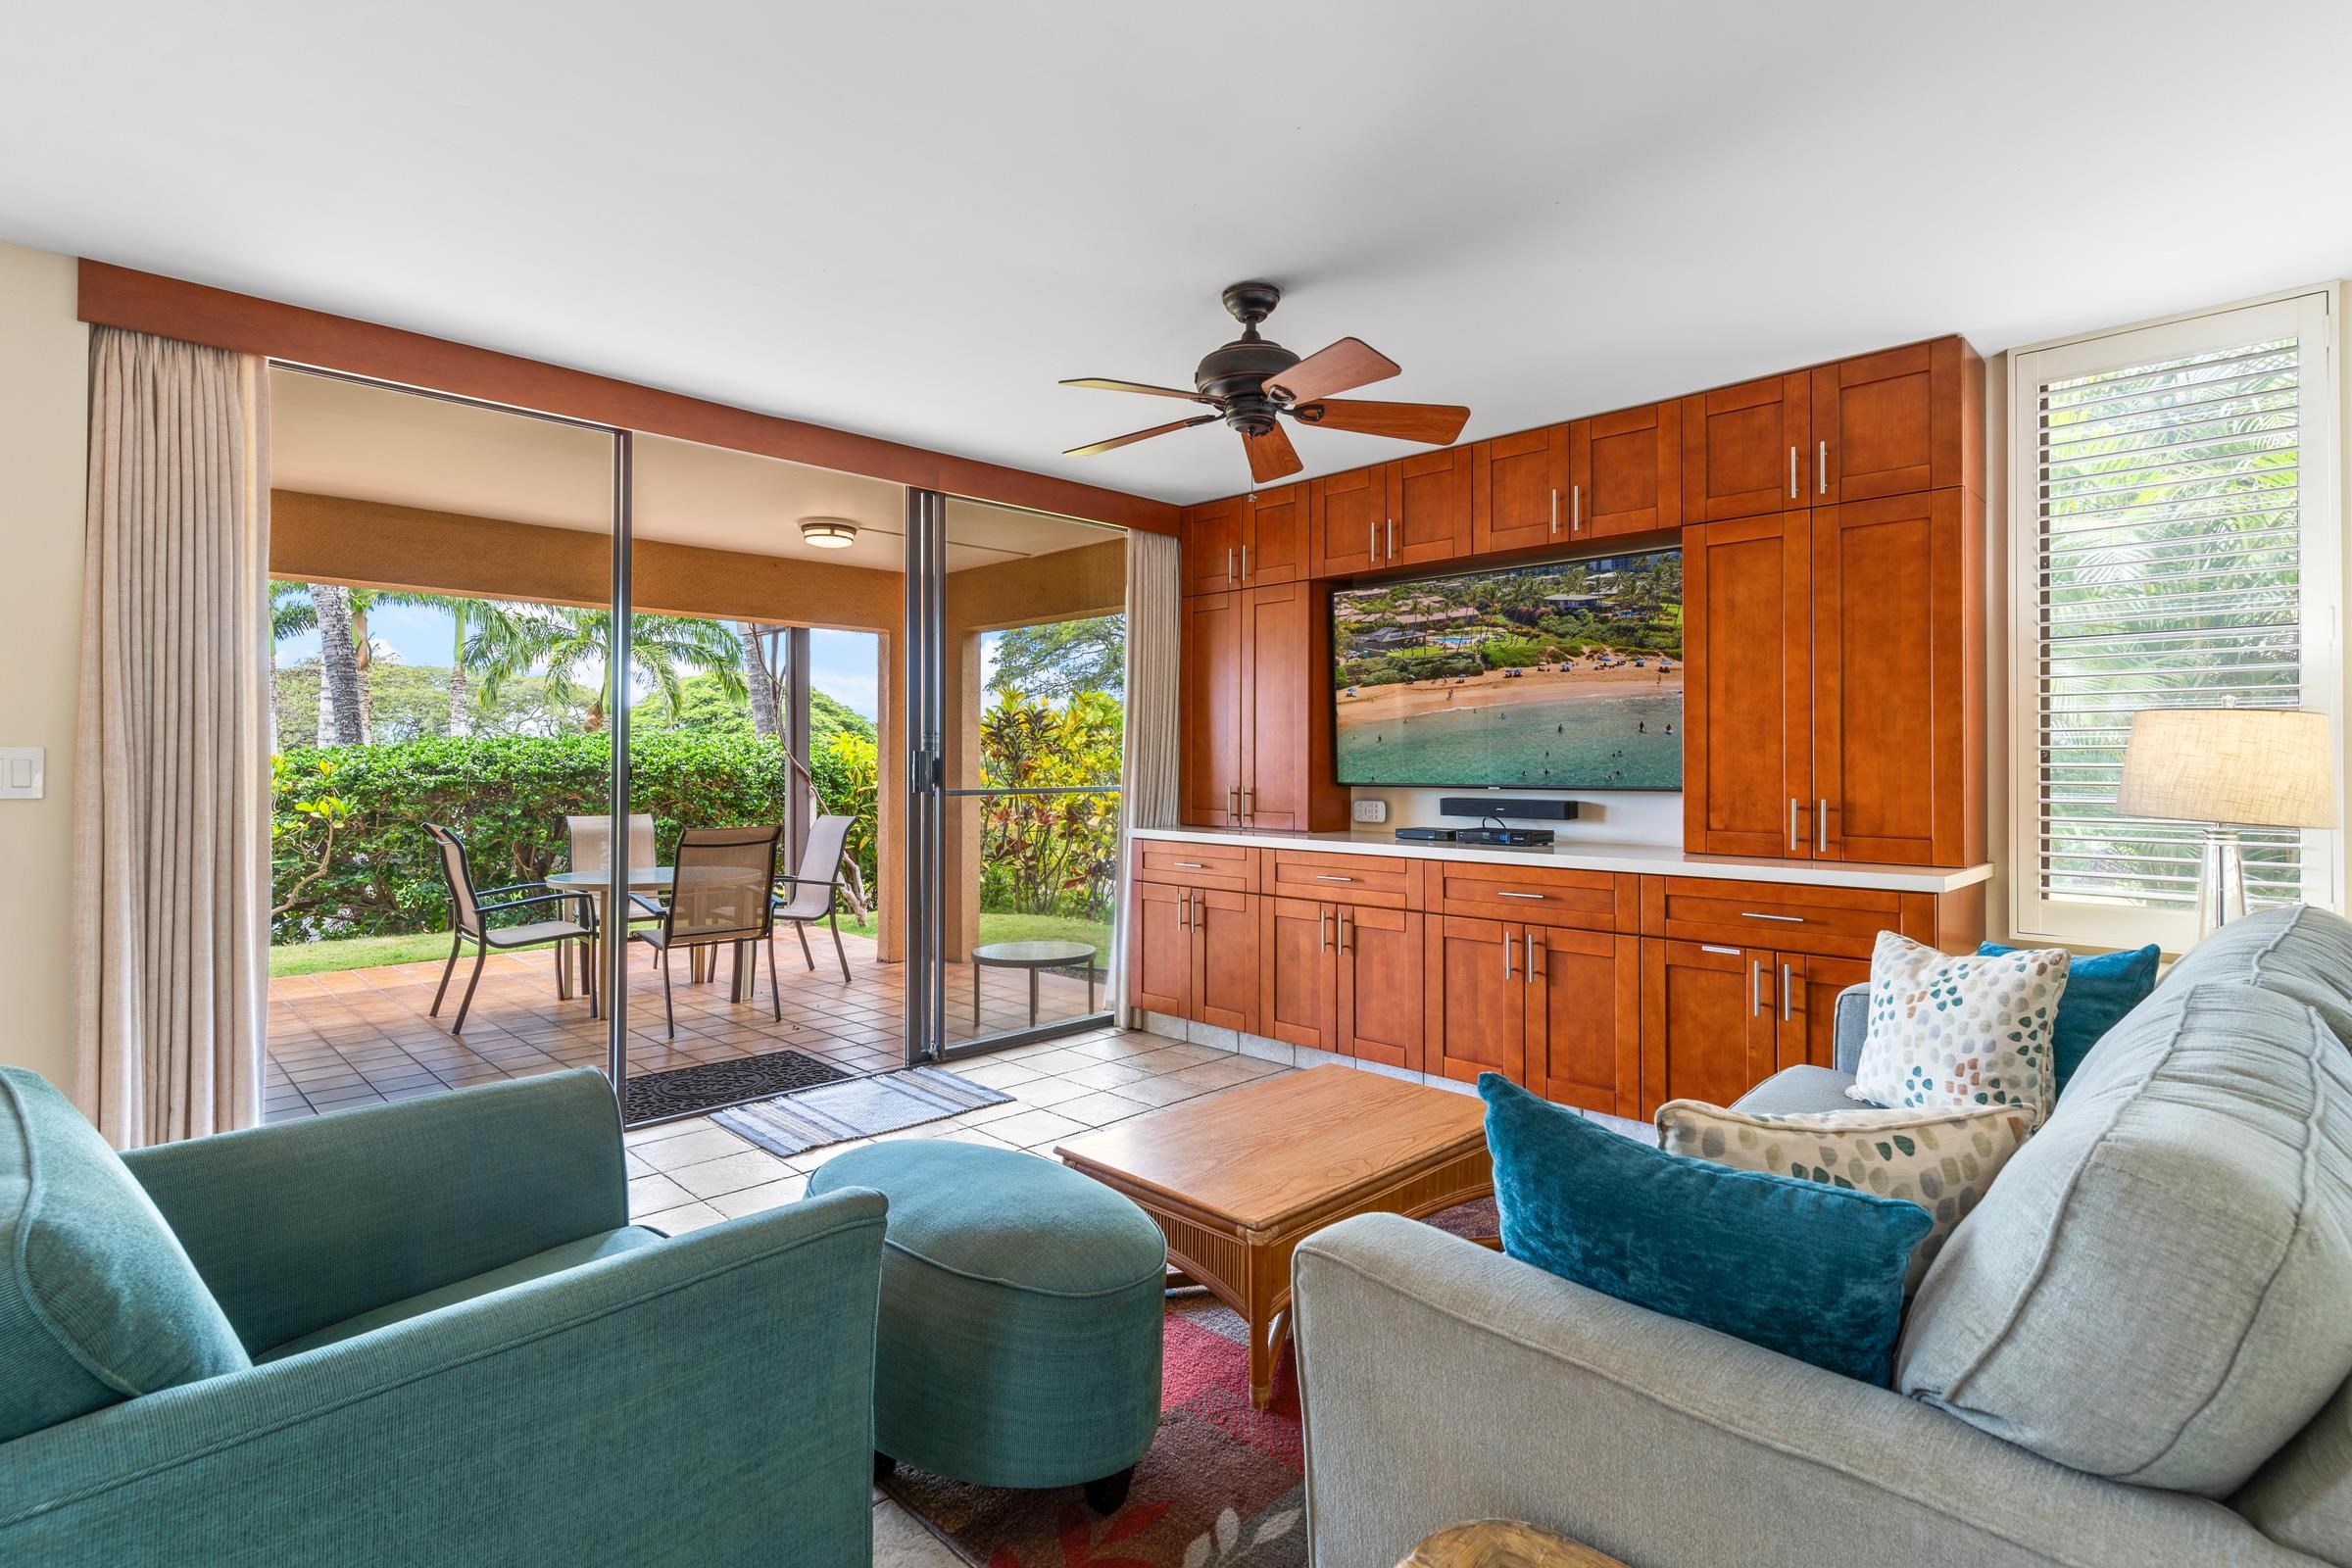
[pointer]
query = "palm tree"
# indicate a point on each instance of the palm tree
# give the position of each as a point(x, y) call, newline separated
point(767, 719)
point(562, 641)
point(342, 710)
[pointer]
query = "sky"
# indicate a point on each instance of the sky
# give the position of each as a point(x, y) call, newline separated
point(841, 663)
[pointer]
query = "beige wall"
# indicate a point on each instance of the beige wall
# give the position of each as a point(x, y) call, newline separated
point(44, 377)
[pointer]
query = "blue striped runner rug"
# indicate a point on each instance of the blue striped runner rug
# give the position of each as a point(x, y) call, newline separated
point(859, 1108)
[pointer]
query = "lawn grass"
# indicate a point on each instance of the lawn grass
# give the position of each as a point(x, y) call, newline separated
point(1026, 928)
point(356, 952)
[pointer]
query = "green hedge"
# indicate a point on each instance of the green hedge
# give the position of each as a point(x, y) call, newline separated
point(506, 798)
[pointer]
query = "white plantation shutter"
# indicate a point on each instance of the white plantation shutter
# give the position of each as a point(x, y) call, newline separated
point(2176, 532)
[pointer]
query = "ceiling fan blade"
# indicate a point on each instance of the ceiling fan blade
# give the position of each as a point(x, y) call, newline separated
point(1271, 455)
point(1348, 362)
point(1139, 436)
point(1436, 424)
point(1104, 385)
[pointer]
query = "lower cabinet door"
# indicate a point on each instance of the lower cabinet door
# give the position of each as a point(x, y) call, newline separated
point(1294, 1002)
point(1583, 1018)
point(1225, 958)
point(1709, 1021)
point(1381, 993)
point(1160, 948)
point(1480, 970)
point(1807, 988)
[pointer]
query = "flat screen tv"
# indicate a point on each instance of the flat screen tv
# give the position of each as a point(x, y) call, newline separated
point(1567, 676)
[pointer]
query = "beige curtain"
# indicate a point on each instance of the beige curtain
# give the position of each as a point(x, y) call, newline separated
point(171, 779)
point(1154, 666)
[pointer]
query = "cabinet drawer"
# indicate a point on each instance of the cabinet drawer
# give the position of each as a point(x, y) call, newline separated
point(1376, 881)
point(1231, 867)
point(1589, 900)
point(1836, 922)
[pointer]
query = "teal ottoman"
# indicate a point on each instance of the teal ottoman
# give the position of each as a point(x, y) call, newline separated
point(1021, 1306)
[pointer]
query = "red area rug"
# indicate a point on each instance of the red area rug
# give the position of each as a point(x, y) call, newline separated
point(1220, 1487)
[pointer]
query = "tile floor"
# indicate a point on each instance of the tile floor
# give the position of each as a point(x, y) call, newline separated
point(361, 1037)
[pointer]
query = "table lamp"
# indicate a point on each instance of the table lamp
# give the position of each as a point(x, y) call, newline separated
point(2228, 767)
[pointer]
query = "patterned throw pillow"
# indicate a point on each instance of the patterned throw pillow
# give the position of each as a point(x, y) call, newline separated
point(1960, 1032)
point(1941, 1161)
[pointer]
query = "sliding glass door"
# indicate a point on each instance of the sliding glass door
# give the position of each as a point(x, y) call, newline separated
point(1017, 670)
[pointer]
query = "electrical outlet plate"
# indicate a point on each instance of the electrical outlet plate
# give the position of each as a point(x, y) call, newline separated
point(21, 771)
point(1371, 810)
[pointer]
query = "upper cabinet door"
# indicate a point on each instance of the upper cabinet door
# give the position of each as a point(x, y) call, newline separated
point(1212, 738)
point(1897, 752)
point(1519, 490)
point(1429, 503)
point(1213, 546)
point(1747, 692)
point(1892, 423)
point(1624, 471)
point(1350, 511)
point(1278, 672)
point(1744, 449)
point(1275, 537)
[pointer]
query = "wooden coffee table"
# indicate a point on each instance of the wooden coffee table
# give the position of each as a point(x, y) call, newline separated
point(1237, 1180)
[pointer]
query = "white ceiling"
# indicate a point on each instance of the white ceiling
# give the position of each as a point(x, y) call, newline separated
point(911, 219)
point(338, 438)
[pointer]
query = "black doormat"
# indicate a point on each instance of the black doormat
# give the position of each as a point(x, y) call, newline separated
point(684, 1091)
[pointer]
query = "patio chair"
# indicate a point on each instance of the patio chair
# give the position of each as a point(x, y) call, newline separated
point(592, 851)
point(815, 891)
point(468, 918)
point(722, 894)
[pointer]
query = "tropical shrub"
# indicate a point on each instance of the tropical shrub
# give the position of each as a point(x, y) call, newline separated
point(1050, 853)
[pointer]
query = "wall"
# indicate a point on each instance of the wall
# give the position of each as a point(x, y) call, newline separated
point(44, 397)
point(1603, 816)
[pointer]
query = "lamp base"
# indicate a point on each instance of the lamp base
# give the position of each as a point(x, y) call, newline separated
point(2221, 880)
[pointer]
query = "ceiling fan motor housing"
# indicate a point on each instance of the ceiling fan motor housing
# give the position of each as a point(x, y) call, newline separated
point(1236, 374)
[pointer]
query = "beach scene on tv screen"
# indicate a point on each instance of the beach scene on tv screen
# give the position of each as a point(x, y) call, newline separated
point(1563, 676)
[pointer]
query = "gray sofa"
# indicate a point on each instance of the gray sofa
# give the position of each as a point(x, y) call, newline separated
point(2135, 1350)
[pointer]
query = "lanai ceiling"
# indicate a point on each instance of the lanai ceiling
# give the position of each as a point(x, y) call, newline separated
point(911, 219)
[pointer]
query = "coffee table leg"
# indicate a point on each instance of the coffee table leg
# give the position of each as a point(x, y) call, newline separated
point(1265, 1354)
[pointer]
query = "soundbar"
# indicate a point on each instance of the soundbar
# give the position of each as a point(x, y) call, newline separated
point(1507, 807)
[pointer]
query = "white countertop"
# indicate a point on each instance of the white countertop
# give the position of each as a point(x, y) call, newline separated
point(1646, 860)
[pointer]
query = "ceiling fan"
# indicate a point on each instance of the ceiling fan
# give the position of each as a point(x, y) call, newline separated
point(1251, 381)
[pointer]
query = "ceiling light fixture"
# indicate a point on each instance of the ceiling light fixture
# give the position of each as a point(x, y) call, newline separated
point(828, 533)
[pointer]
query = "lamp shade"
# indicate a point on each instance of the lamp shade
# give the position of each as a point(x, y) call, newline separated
point(2254, 766)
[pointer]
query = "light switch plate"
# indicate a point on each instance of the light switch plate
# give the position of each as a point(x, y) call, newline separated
point(22, 772)
point(1371, 812)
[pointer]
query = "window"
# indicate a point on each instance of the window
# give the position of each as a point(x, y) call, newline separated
point(2175, 533)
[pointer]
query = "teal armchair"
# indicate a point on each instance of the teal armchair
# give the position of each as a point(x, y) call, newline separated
point(460, 1351)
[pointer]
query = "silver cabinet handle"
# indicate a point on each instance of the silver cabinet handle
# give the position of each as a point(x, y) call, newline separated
point(1576, 507)
point(1391, 538)
point(1792, 824)
point(1793, 473)
point(1188, 865)
point(1371, 540)
point(1706, 947)
point(1820, 827)
point(1326, 876)
point(1245, 563)
point(1184, 909)
point(1821, 468)
point(1505, 893)
point(1322, 929)
point(1229, 577)
point(1783, 992)
point(1342, 930)
point(1755, 987)
point(1555, 509)
point(1246, 813)
point(1753, 914)
point(1233, 804)
point(1506, 953)
point(1535, 955)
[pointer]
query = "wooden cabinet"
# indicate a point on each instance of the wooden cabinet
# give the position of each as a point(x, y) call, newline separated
point(1245, 541)
point(1625, 473)
point(1348, 516)
point(1193, 952)
point(1744, 447)
point(1478, 972)
point(1256, 745)
point(1519, 490)
point(1343, 978)
point(1553, 1009)
point(1748, 694)
point(1295, 1003)
point(1898, 736)
point(1428, 508)
point(1709, 1030)
point(1805, 1033)
point(1896, 423)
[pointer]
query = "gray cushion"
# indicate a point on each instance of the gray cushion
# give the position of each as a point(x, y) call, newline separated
point(2298, 951)
point(2154, 1290)
point(98, 1301)
point(1798, 1092)
point(2303, 1497)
